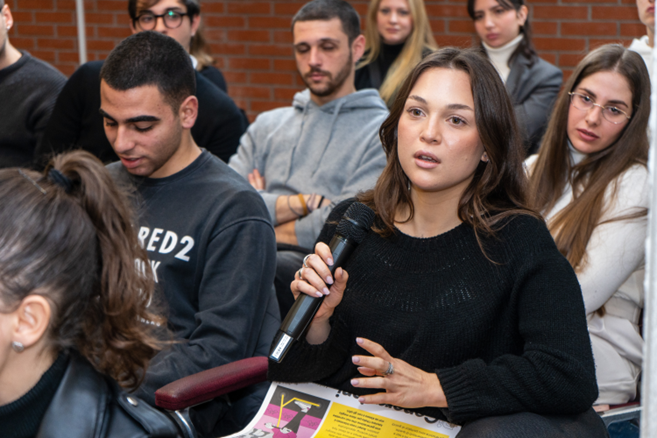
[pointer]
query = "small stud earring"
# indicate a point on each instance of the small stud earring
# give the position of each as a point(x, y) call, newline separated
point(484, 157)
point(18, 346)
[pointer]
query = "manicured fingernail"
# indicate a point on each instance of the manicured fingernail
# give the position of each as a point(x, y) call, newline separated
point(361, 400)
point(318, 294)
point(359, 340)
point(330, 262)
point(329, 280)
point(326, 291)
point(354, 382)
point(355, 359)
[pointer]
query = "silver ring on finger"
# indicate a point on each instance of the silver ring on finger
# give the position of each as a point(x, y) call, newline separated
point(305, 259)
point(299, 272)
point(389, 371)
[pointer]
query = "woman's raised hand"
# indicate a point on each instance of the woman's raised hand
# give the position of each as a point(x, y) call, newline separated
point(315, 279)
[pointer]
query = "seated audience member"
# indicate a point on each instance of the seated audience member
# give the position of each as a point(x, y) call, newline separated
point(76, 122)
point(322, 149)
point(532, 83)
point(397, 36)
point(207, 232)
point(643, 46)
point(28, 89)
point(204, 62)
point(591, 183)
point(73, 308)
point(485, 321)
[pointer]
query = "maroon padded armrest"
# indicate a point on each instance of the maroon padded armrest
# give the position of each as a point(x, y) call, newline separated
point(206, 385)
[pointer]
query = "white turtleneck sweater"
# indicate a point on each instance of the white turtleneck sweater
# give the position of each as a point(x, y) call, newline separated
point(500, 56)
point(614, 271)
point(641, 47)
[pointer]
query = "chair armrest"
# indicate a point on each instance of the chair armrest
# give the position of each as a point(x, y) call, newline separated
point(207, 385)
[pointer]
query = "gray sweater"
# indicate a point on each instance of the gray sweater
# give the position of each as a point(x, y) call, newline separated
point(333, 150)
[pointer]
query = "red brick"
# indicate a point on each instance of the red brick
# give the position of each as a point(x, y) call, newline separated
point(437, 26)
point(285, 65)
point(100, 45)
point(270, 50)
point(361, 9)
point(544, 28)
point(260, 105)
point(570, 44)
point(457, 41)
point(95, 18)
point(283, 37)
point(570, 59)
point(249, 64)
point(33, 29)
point(72, 31)
point(632, 29)
point(212, 7)
point(36, 4)
point(242, 7)
point(23, 43)
point(287, 8)
point(588, 28)
point(249, 35)
point(285, 93)
point(68, 56)
point(63, 5)
point(257, 92)
point(589, 1)
point(566, 74)
point(567, 12)
point(112, 5)
point(22, 17)
point(55, 43)
point(45, 55)
point(614, 13)
point(67, 70)
point(54, 17)
point(228, 49)
point(269, 22)
point(271, 78)
point(233, 77)
point(461, 26)
point(225, 21)
point(597, 42)
point(214, 34)
point(113, 32)
point(447, 10)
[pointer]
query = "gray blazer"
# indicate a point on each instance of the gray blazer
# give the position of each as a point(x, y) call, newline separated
point(533, 91)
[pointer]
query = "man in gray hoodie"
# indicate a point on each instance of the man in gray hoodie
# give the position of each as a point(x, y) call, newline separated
point(325, 147)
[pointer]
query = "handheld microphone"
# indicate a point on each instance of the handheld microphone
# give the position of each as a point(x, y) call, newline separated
point(351, 230)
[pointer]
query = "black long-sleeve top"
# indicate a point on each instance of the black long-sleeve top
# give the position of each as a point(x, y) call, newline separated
point(502, 337)
point(76, 122)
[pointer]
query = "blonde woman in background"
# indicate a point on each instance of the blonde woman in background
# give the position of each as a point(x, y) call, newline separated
point(398, 36)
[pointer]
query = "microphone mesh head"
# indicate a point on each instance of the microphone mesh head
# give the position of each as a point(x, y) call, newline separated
point(356, 222)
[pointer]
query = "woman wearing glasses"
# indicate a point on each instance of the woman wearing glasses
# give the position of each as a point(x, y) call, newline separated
point(591, 183)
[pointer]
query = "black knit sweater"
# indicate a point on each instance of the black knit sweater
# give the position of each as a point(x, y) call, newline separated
point(502, 337)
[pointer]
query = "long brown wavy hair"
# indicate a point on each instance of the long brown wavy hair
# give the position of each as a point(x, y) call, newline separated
point(572, 227)
point(498, 188)
point(76, 247)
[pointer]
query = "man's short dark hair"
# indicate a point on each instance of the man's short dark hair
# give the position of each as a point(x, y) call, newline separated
point(134, 6)
point(150, 58)
point(329, 9)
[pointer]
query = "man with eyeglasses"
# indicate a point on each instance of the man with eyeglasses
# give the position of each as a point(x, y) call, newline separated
point(76, 122)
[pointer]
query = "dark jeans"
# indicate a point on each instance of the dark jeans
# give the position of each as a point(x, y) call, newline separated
point(525, 425)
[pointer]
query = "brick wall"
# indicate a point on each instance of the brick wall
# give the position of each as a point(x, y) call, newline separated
point(251, 40)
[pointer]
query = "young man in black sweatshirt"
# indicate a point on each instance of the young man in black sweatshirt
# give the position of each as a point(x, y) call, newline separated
point(76, 123)
point(28, 89)
point(211, 246)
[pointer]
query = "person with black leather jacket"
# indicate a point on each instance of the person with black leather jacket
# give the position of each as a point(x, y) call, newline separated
point(77, 325)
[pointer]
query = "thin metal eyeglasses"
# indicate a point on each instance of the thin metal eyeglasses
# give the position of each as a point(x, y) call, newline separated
point(611, 114)
point(148, 20)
